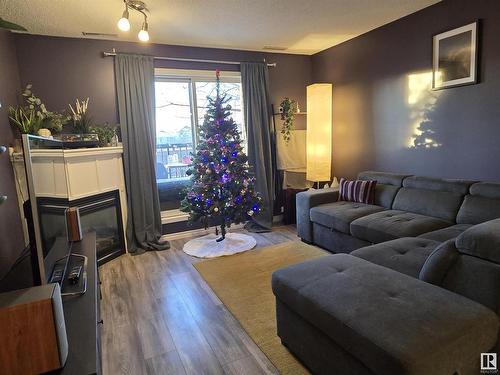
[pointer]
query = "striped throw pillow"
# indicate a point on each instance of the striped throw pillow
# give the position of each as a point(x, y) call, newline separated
point(357, 191)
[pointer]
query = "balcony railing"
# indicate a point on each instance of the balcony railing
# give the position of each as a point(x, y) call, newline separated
point(172, 160)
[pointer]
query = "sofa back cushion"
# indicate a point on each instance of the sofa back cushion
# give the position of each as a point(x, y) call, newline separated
point(431, 197)
point(388, 185)
point(482, 204)
point(476, 279)
point(481, 241)
point(469, 266)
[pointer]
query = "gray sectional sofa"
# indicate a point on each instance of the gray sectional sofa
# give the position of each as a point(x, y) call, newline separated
point(419, 292)
point(405, 206)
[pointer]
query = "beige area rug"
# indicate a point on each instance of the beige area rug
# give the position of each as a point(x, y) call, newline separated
point(243, 283)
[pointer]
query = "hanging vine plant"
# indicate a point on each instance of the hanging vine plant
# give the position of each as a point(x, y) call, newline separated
point(288, 108)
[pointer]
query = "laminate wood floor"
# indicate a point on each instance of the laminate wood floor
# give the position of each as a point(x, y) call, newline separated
point(160, 317)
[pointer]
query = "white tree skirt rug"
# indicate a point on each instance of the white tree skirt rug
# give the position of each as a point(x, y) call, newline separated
point(208, 247)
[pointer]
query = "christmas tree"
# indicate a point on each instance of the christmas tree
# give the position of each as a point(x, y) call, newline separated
point(222, 188)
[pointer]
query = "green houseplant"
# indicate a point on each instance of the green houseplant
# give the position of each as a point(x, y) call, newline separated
point(54, 121)
point(25, 120)
point(33, 116)
point(288, 108)
point(105, 133)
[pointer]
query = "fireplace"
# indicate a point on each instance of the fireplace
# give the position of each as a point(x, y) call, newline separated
point(100, 213)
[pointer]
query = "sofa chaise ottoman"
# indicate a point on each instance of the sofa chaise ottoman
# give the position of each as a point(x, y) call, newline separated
point(408, 314)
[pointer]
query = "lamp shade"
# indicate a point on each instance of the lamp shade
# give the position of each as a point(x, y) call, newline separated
point(319, 132)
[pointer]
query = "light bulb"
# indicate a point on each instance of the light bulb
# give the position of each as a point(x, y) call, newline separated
point(123, 23)
point(143, 34)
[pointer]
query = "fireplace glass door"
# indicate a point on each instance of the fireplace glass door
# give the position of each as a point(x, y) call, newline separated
point(99, 213)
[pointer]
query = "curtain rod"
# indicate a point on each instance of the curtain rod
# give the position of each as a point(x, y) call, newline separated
point(106, 54)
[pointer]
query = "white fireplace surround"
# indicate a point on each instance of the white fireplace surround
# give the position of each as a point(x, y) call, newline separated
point(74, 174)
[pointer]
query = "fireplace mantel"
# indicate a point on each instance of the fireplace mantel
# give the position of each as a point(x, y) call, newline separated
point(76, 173)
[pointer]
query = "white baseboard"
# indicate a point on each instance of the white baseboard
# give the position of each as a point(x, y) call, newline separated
point(173, 216)
point(195, 232)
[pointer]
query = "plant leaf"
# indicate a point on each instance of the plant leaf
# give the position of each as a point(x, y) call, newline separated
point(10, 25)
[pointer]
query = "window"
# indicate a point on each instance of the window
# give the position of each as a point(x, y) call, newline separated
point(181, 104)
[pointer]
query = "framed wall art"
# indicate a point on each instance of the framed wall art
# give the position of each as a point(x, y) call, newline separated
point(455, 57)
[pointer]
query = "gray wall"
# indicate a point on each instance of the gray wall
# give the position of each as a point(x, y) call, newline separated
point(11, 234)
point(377, 105)
point(62, 69)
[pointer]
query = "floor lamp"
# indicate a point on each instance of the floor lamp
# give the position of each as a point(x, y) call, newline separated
point(319, 132)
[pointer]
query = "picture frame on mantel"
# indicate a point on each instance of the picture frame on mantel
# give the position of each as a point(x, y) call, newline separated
point(455, 57)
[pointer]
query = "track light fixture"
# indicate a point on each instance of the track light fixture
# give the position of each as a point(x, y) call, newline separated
point(124, 23)
point(144, 34)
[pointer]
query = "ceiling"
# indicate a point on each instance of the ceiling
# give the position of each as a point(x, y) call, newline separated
point(297, 26)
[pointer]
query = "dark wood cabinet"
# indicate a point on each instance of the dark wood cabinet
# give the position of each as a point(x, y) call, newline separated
point(290, 207)
point(82, 317)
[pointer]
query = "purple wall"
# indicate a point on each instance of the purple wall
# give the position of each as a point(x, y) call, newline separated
point(11, 234)
point(377, 102)
point(62, 69)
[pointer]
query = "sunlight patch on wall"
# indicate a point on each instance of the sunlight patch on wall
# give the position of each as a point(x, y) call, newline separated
point(421, 101)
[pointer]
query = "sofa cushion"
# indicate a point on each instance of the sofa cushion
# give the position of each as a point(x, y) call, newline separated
point(406, 255)
point(392, 323)
point(431, 197)
point(384, 178)
point(438, 184)
point(438, 263)
point(387, 187)
point(481, 205)
point(482, 241)
point(339, 215)
point(446, 234)
point(392, 224)
point(488, 190)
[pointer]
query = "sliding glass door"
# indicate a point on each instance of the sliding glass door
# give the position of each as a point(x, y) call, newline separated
point(174, 138)
point(181, 104)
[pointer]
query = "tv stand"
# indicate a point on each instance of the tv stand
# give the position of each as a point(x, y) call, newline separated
point(82, 316)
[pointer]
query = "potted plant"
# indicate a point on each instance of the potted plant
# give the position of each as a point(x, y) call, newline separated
point(81, 129)
point(288, 109)
point(25, 120)
point(105, 133)
point(82, 122)
point(34, 118)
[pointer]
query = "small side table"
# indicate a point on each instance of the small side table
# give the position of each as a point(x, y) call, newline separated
point(290, 206)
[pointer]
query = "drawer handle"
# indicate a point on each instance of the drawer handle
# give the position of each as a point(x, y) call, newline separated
point(100, 322)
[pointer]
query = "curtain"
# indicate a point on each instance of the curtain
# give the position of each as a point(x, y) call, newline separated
point(134, 76)
point(257, 113)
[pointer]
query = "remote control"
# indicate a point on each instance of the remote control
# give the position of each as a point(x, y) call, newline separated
point(56, 276)
point(57, 273)
point(74, 275)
